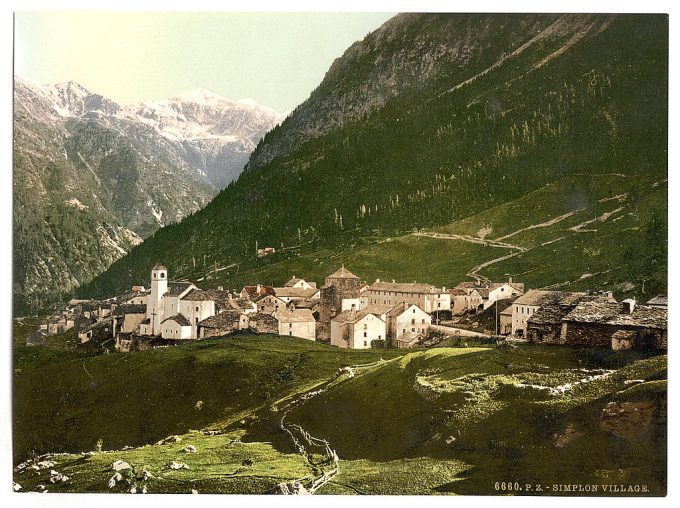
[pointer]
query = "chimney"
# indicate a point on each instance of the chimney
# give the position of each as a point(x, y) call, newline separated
point(510, 280)
point(443, 289)
point(259, 288)
point(377, 280)
point(628, 306)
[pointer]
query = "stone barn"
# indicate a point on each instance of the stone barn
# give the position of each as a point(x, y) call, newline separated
point(263, 323)
point(614, 325)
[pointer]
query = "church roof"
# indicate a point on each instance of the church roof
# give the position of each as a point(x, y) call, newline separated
point(159, 267)
point(342, 273)
point(177, 288)
point(179, 319)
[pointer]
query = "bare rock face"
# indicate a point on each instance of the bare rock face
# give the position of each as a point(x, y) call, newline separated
point(627, 419)
point(93, 178)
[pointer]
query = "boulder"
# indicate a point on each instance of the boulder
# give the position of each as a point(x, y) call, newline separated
point(189, 449)
point(56, 477)
point(16, 487)
point(177, 465)
point(120, 465)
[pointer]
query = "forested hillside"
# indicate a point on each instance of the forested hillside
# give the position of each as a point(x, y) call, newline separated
point(431, 119)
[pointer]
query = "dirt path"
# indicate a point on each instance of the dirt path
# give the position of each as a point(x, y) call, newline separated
point(306, 444)
point(472, 239)
point(545, 224)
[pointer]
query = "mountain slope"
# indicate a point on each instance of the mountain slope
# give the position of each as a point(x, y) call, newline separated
point(91, 178)
point(430, 119)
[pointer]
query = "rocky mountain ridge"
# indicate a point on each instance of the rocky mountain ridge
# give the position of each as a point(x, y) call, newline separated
point(88, 171)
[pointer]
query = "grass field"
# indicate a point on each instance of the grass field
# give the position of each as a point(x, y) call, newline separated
point(448, 420)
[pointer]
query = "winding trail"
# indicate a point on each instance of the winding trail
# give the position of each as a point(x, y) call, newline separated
point(473, 273)
point(305, 443)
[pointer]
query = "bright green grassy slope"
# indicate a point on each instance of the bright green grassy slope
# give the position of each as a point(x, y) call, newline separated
point(389, 424)
point(620, 246)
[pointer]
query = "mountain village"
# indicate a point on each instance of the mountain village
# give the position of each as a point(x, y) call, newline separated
point(349, 313)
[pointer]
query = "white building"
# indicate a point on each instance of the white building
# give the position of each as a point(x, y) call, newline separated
point(427, 297)
point(357, 329)
point(403, 319)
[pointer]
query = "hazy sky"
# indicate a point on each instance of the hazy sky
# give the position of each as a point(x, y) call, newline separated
point(275, 58)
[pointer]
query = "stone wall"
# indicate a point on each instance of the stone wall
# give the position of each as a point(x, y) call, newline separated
point(544, 334)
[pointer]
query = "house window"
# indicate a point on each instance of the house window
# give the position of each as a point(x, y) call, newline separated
point(365, 343)
point(414, 311)
point(423, 321)
point(365, 334)
point(413, 329)
point(196, 309)
point(413, 321)
point(162, 275)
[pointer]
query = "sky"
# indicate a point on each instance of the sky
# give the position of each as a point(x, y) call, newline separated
point(277, 59)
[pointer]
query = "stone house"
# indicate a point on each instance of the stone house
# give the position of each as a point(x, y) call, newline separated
point(224, 323)
point(263, 323)
point(128, 317)
point(465, 299)
point(427, 297)
point(531, 301)
point(269, 304)
point(296, 323)
point(97, 332)
point(618, 326)
point(358, 329)
point(505, 321)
